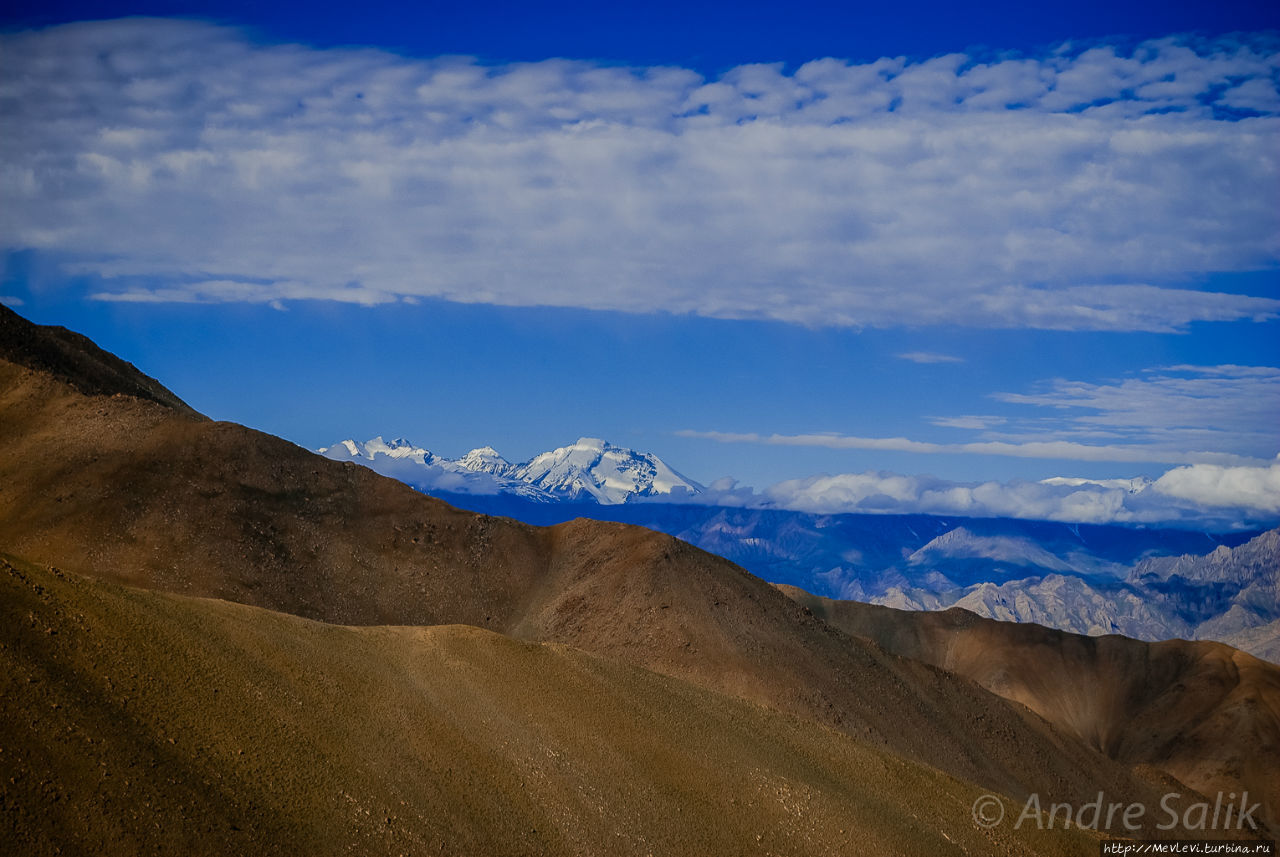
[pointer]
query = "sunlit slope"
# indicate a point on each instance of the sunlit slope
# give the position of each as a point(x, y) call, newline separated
point(1202, 711)
point(132, 721)
point(122, 486)
point(134, 490)
point(140, 491)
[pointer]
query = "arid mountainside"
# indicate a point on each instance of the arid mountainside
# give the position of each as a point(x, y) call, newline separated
point(180, 725)
point(146, 494)
point(1203, 712)
point(140, 490)
point(76, 360)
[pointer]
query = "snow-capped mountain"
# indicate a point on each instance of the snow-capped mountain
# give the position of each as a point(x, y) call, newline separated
point(589, 469)
point(1136, 485)
point(606, 473)
point(399, 449)
point(486, 460)
point(1094, 579)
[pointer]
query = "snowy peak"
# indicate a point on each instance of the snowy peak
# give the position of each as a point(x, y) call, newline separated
point(590, 468)
point(1136, 485)
point(485, 459)
point(400, 448)
point(353, 449)
point(608, 474)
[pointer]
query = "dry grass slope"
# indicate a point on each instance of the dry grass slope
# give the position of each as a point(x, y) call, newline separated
point(135, 721)
point(128, 487)
point(1203, 712)
point(134, 491)
point(73, 357)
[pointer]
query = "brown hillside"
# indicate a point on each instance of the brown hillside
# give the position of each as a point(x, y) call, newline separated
point(141, 722)
point(1203, 712)
point(78, 361)
point(134, 490)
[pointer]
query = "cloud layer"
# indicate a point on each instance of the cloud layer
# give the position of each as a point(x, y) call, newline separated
point(1255, 488)
point(1224, 415)
point(1228, 408)
point(1196, 495)
point(1046, 449)
point(182, 161)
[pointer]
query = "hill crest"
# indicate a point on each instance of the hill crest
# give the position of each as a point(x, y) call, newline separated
point(77, 360)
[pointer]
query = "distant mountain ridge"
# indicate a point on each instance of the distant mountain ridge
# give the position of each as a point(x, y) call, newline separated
point(589, 469)
point(1082, 578)
point(1149, 584)
point(1231, 594)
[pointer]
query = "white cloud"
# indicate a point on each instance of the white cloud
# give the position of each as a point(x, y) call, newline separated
point(1199, 495)
point(929, 357)
point(1232, 487)
point(1230, 408)
point(222, 291)
point(968, 421)
point(183, 161)
point(1222, 415)
point(1046, 449)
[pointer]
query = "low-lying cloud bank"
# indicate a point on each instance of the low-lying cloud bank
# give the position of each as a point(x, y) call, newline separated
point(1253, 488)
point(1078, 189)
point(1198, 494)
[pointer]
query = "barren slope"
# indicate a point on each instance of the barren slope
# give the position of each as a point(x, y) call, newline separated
point(77, 360)
point(135, 721)
point(140, 492)
point(1204, 712)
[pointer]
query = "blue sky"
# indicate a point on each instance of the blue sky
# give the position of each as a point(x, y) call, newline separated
point(966, 246)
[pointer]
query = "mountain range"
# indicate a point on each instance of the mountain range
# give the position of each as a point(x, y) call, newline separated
point(1084, 578)
point(589, 469)
point(214, 641)
point(1230, 594)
